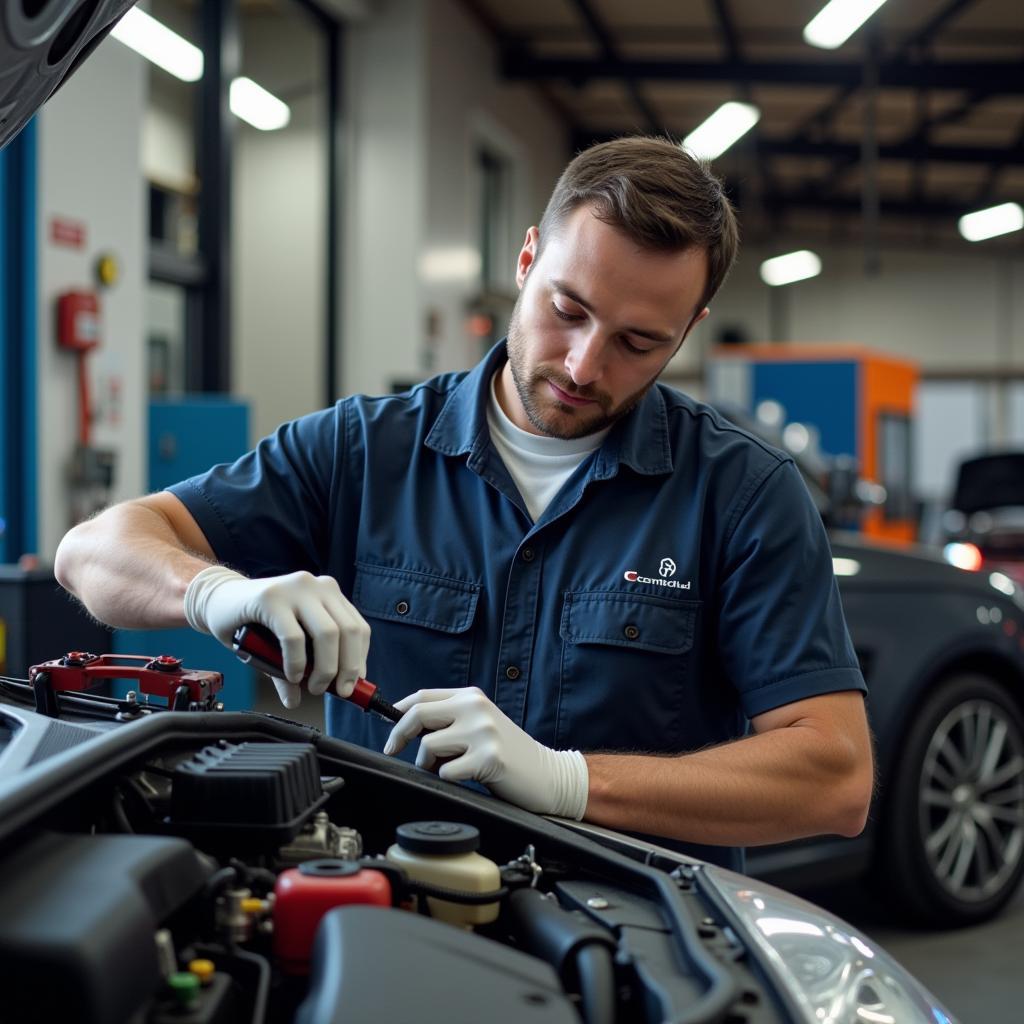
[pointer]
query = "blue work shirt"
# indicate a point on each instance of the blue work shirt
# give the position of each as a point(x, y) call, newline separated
point(679, 584)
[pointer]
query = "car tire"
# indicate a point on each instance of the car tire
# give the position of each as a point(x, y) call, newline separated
point(951, 851)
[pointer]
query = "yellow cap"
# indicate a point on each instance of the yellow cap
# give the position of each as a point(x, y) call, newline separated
point(202, 969)
point(252, 905)
point(107, 270)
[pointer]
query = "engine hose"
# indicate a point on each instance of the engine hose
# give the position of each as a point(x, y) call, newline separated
point(218, 880)
point(596, 971)
point(249, 875)
point(263, 876)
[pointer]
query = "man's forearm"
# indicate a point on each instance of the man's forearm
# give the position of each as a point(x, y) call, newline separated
point(766, 788)
point(128, 567)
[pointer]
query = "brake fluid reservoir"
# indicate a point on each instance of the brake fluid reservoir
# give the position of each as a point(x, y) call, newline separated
point(303, 895)
point(443, 853)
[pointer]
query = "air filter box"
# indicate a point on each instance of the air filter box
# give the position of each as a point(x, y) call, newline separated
point(253, 795)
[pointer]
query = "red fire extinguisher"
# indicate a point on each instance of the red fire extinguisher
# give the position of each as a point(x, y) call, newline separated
point(78, 329)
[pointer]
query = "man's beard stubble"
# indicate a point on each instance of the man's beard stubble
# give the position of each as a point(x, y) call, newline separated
point(529, 383)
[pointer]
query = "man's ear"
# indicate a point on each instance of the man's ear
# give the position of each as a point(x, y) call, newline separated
point(527, 255)
point(696, 320)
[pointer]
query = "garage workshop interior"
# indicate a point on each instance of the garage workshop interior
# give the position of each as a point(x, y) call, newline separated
point(511, 511)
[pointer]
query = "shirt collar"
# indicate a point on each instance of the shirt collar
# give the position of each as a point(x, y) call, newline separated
point(640, 440)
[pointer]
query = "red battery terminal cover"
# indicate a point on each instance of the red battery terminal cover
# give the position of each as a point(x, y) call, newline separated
point(304, 894)
point(163, 676)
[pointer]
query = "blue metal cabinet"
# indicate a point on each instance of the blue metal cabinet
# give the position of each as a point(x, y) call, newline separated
point(187, 436)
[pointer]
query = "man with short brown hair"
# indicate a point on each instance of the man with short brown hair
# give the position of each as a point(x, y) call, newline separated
point(601, 583)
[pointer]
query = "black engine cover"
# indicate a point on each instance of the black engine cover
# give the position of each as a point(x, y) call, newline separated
point(437, 972)
point(77, 919)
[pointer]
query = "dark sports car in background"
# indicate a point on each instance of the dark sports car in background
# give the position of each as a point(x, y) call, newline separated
point(942, 650)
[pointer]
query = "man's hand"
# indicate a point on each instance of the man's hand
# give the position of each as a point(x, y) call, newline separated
point(485, 745)
point(219, 600)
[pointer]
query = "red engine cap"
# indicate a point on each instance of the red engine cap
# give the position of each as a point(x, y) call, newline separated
point(303, 895)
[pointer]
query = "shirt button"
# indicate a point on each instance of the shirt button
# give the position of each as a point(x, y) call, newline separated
point(402, 607)
point(512, 672)
point(528, 554)
point(631, 632)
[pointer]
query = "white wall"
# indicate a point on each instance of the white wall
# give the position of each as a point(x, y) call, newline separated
point(279, 229)
point(385, 195)
point(89, 152)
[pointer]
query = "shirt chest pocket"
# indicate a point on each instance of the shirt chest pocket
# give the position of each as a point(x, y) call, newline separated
point(421, 635)
point(625, 669)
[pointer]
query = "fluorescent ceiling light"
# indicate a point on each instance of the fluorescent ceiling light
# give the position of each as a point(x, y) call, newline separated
point(996, 220)
point(728, 123)
point(794, 266)
point(837, 21)
point(253, 104)
point(157, 43)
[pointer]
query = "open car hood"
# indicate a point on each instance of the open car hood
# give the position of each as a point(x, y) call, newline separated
point(41, 45)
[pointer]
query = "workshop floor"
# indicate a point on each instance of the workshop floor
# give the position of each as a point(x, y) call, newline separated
point(976, 972)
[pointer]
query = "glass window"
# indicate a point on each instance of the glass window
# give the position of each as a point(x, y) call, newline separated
point(166, 326)
point(894, 466)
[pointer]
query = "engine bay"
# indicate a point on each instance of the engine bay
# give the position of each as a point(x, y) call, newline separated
point(213, 867)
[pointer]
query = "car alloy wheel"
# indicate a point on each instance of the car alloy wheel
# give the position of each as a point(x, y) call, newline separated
point(952, 847)
point(971, 800)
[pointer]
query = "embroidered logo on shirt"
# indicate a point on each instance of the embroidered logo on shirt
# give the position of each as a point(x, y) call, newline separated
point(667, 568)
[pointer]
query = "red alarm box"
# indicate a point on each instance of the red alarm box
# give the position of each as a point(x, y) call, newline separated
point(78, 321)
point(304, 894)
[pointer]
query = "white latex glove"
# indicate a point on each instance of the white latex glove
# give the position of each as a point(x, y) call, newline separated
point(488, 747)
point(219, 600)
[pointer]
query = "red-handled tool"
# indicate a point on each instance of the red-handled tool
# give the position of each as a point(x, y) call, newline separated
point(256, 645)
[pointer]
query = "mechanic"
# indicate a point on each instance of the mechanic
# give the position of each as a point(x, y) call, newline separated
point(587, 591)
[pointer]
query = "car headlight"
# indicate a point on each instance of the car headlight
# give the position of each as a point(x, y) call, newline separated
point(832, 972)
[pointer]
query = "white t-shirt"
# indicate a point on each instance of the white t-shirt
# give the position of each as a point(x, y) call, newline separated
point(538, 465)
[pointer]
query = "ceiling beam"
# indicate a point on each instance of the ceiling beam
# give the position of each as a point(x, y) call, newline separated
point(999, 77)
point(908, 149)
point(806, 199)
point(488, 24)
point(914, 46)
point(600, 32)
point(918, 138)
point(1004, 159)
point(734, 54)
point(754, 35)
point(915, 43)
